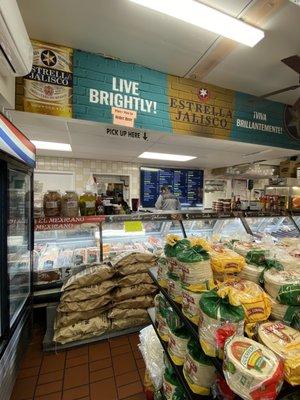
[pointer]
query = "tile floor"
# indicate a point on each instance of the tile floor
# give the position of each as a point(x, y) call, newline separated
point(107, 370)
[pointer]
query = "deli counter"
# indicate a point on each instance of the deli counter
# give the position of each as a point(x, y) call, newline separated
point(64, 246)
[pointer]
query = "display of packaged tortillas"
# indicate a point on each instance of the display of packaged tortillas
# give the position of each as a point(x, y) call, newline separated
point(134, 279)
point(174, 287)
point(198, 369)
point(135, 302)
point(251, 272)
point(172, 250)
point(190, 305)
point(128, 292)
point(246, 248)
point(162, 272)
point(124, 323)
point(120, 313)
point(177, 344)
point(200, 241)
point(251, 369)
point(88, 292)
point(285, 342)
point(127, 258)
point(290, 315)
point(224, 260)
point(196, 273)
point(82, 329)
point(65, 319)
point(284, 286)
point(90, 276)
point(255, 302)
point(85, 305)
point(161, 307)
point(218, 321)
point(172, 389)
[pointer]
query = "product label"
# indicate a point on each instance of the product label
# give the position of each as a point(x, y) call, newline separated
point(89, 204)
point(72, 204)
point(51, 204)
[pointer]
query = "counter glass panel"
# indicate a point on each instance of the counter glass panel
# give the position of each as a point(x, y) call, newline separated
point(221, 228)
point(278, 227)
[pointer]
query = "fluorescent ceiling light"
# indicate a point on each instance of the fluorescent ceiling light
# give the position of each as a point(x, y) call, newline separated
point(166, 157)
point(207, 18)
point(41, 145)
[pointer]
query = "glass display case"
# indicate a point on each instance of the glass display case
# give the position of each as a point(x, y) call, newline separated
point(296, 219)
point(215, 227)
point(276, 226)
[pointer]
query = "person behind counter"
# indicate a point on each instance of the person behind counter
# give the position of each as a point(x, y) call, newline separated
point(123, 203)
point(167, 200)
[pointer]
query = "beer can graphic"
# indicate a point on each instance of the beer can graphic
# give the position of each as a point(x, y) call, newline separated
point(48, 88)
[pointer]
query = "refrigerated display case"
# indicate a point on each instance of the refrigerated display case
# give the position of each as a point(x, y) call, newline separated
point(221, 228)
point(277, 226)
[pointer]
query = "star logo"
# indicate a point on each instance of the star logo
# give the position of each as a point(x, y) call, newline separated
point(48, 58)
point(203, 94)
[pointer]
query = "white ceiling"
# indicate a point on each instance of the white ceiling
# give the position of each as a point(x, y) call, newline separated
point(130, 32)
point(90, 140)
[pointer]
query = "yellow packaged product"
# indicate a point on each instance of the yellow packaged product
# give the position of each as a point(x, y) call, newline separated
point(200, 241)
point(190, 305)
point(224, 260)
point(285, 342)
point(177, 344)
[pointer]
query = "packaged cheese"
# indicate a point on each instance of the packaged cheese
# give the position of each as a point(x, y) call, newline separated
point(284, 286)
point(198, 369)
point(285, 342)
point(162, 272)
point(251, 369)
point(174, 287)
point(224, 260)
point(196, 273)
point(255, 302)
point(218, 320)
point(290, 315)
point(190, 305)
point(177, 344)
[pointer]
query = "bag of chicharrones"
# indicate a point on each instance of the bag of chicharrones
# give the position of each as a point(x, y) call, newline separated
point(224, 260)
point(162, 272)
point(218, 320)
point(127, 292)
point(124, 323)
point(82, 330)
point(196, 273)
point(85, 305)
point(123, 313)
point(290, 315)
point(172, 389)
point(285, 342)
point(174, 246)
point(88, 292)
point(134, 279)
point(251, 369)
point(283, 285)
point(161, 306)
point(198, 369)
point(70, 318)
point(90, 276)
point(145, 301)
point(177, 344)
point(190, 305)
point(132, 262)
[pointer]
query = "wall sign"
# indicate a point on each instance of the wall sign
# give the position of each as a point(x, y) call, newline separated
point(127, 133)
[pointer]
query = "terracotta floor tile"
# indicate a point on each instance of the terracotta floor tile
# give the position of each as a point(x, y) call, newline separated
point(138, 396)
point(31, 362)
point(74, 361)
point(28, 372)
point(100, 364)
point(53, 362)
point(48, 388)
point(129, 377)
point(125, 348)
point(99, 351)
point(103, 390)
point(52, 396)
point(130, 389)
point(101, 374)
point(79, 351)
point(137, 354)
point(51, 377)
point(124, 363)
point(118, 341)
point(76, 376)
point(24, 388)
point(140, 363)
point(76, 393)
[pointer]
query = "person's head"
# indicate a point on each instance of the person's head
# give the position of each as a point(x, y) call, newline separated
point(165, 190)
point(120, 197)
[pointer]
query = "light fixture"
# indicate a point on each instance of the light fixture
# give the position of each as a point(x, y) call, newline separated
point(166, 157)
point(41, 145)
point(207, 18)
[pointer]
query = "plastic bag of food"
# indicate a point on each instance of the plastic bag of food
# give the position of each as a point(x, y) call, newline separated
point(255, 302)
point(119, 324)
point(218, 321)
point(196, 273)
point(85, 305)
point(120, 313)
point(251, 272)
point(285, 342)
point(200, 241)
point(161, 307)
point(174, 287)
point(93, 255)
point(65, 319)
point(82, 329)
point(162, 272)
point(80, 256)
point(172, 388)
point(190, 305)
point(88, 292)
point(284, 286)
point(290, 315)
point(136, 302)
point(172, 318)
point(224, 260)
point(177, 344)
point(90, 276)
point(172, 250)
point(128, 258)
point(198, 369)
point(251, 369)
point(134, 268)
point(134, 279)
point(128, 292)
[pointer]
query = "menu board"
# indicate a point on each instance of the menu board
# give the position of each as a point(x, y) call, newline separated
point(186, 184)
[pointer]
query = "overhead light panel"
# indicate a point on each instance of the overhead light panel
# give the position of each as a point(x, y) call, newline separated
point(166, 157)
point(41, 145)
point(208, 18)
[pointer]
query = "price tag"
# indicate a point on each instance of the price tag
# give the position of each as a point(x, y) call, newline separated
point(133, 226)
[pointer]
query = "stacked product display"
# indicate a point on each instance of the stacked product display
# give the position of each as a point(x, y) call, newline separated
point(105, 298)
point(236, 301)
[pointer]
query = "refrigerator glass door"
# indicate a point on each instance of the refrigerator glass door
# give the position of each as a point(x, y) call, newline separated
point(18, 241)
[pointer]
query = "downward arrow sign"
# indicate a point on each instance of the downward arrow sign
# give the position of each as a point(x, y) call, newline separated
point(145, 136)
